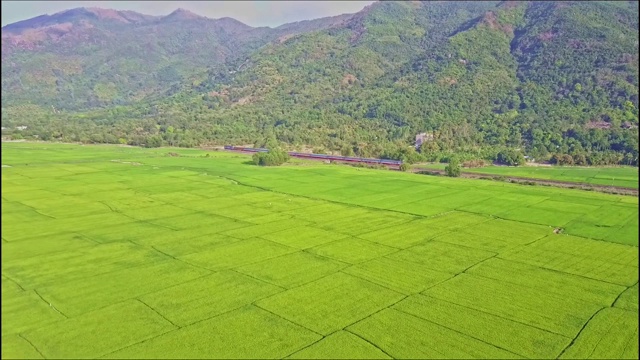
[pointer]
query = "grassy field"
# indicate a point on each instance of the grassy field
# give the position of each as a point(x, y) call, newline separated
point(120, 252)
point(623, 176)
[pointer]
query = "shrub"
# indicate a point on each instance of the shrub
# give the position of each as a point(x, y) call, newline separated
point(273, 157)
point(453, 169)
point(405, 167)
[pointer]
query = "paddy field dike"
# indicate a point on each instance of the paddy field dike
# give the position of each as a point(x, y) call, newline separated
point(121, 252)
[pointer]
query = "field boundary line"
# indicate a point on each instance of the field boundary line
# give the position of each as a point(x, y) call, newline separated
point(633, 337)
point(459, 332)
point(327, 200)
point(373, 282)
point(496, 315)
point(50, 304)
point(372, 344)
point(309, 345)
point(461, 272)
point(561, 226)
point(104, 356)
point(180, 260)
point(580, 332)
point(156, 311)
point(370, 315)
point(15, 282)
point(350, 264)
point(600, 339)
point(36, 210)
point(264, 281)
point(285, 319)
point(622, 292)
point(435, 239)
point(33, 346)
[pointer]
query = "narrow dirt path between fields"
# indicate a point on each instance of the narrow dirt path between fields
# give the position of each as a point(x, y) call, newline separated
point(525, 180)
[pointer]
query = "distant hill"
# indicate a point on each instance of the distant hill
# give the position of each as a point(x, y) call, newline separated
point(89, 57)
point(543, 77)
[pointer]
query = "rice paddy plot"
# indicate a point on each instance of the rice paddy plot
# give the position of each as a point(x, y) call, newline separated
point(597, 260)
point(474, 241)
point(492, 206)
point(215, 223)
point(82, 295)
point(581, 228)
point(404, 235)
point(539, 216)
point(12, 251)
point(518, 338)
point(330, 303)
point(208, 296)
point(292, 270)
point(442, 256)
point(273, 217)
point(563, 206)
point(330, 213)
point(610, 215)
point(78, 338)
point(611, 334)
point(558, 283)
point(130, 231)
point(627, 234)
point(289, 203)
point(303, 237)
point(390, 202)
point(534, 307)
point(237, 254)
point(180, 243)
point(155, 212)
point(267, 229)
point(405, 336)
point(235, 334)
point(240, 212)
point(362, 222)
point(398, 275)
point(352, 250)
point(49, 269)
point(422, 208)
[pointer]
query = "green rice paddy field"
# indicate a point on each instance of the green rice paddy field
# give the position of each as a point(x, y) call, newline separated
point(119, 252)
point(623, 176)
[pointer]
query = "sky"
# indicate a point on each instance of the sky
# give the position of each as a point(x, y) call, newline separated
point(253, 13)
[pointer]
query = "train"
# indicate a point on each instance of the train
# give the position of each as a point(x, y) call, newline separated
point(348, 159)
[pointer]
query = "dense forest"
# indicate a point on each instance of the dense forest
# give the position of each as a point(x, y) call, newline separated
point(554, 81)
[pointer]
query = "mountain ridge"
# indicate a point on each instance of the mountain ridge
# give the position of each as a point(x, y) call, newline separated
point(482, 76)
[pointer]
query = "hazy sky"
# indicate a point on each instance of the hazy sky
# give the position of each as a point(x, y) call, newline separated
point(253, 13)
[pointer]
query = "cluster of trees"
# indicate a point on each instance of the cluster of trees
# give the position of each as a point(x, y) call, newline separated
point(274, 157)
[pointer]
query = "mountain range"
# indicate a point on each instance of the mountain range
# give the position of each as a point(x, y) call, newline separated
point(543, 77)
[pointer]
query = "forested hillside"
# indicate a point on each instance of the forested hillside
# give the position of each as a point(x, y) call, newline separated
point(543, 77)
